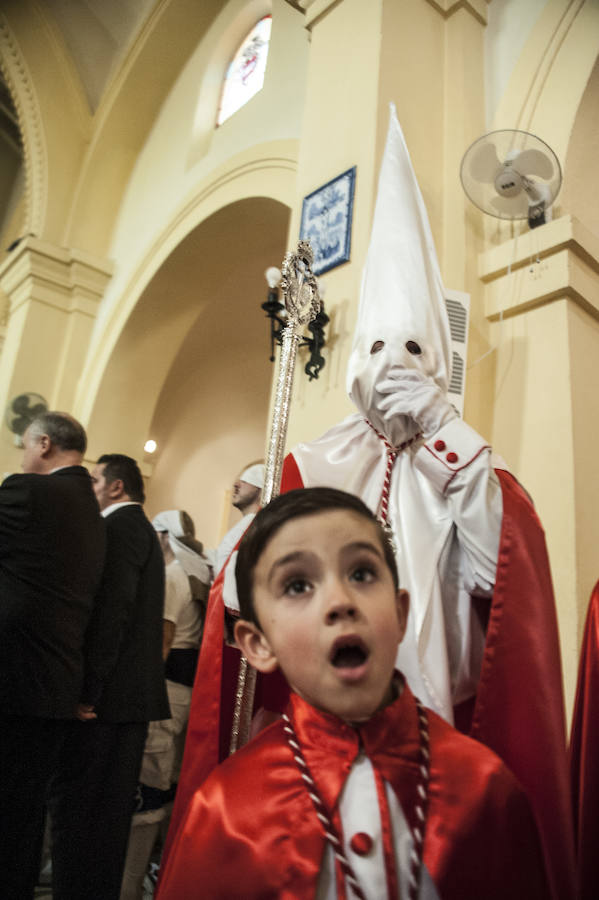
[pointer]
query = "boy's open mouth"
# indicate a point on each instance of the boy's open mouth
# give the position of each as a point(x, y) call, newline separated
point(348, 653)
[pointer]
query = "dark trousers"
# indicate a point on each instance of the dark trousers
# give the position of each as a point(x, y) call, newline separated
point(91, 802)
point(29, 750)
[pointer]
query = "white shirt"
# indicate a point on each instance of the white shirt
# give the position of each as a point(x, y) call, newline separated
point(180, 608)
point(114, 506)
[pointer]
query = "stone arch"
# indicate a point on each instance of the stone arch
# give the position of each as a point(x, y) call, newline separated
point(266, 171)
point(127, 113)
point(194, 331)
point(581, 178)
point(552, 71)
point(35, 160)
point(548, 82)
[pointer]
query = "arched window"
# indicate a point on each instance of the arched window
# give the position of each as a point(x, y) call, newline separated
point(245, 75)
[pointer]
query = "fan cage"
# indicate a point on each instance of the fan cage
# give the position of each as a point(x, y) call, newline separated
point(507, 143)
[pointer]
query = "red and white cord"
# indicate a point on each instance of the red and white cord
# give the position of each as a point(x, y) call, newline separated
point(329, 829)
point(392, 454)
point(421, 808)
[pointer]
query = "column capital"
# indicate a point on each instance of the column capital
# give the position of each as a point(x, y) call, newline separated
point(559, 259)
point(65, 278)
point(316, 9)
point(476, 8)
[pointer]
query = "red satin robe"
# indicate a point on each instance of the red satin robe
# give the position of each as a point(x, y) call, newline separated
point(584, 756)
point(251, 831)
point(518, 710)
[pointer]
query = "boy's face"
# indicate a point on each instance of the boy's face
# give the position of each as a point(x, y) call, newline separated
point(329, 611)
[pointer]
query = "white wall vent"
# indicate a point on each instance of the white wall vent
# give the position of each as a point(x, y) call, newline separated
point(458, 310)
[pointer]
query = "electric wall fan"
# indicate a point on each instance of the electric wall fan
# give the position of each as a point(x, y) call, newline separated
point(21, 412)
point(512, 175)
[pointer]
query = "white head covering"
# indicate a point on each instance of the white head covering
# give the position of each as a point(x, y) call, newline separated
point(253, 475)
point(402, 296)
point(192, 562)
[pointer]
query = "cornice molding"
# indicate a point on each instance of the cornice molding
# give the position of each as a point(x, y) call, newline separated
point(448, 8)
point(315, 10)
point(68, 280)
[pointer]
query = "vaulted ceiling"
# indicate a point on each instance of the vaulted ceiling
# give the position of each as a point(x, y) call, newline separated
point(97, 35)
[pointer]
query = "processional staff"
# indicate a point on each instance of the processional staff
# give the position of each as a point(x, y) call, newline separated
point(302, 303)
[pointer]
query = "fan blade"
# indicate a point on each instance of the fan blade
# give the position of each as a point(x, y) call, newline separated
point(20, 405)
point(533, 162)
point(484, 164)
point(511, 207)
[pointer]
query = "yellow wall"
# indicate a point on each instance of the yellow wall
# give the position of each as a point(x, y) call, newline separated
point(338, 131)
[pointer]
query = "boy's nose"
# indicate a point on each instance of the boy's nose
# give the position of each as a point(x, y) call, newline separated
point(341, 606)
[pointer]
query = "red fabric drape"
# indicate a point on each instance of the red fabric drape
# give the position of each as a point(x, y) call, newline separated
point(519, 709)
point(584, 756)
point(252, 831)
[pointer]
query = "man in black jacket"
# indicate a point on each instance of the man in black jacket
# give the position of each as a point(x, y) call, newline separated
point(51, 558)
point(93, 794)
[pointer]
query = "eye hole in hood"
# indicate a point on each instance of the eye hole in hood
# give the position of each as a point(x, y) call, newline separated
point(413, 348)
point(377, 347)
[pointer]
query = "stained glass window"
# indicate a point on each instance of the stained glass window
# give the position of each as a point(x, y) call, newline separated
point(245, 75)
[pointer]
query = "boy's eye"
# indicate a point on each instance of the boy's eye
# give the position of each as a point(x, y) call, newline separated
point(363, 574)
point(296, 586)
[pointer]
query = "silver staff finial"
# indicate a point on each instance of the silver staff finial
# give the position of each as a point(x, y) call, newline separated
point(302, 302)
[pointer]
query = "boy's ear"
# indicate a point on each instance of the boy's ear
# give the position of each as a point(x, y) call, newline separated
point(254, 646)
point(402, 601)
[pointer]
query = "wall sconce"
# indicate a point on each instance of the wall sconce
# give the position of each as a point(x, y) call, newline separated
point(275, 311)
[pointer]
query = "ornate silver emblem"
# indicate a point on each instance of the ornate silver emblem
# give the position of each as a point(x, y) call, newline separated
point(299, 285)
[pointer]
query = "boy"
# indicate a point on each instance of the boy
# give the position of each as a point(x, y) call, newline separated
point(358, 791)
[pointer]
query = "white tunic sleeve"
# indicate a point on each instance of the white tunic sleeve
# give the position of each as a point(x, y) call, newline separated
point(457, 462)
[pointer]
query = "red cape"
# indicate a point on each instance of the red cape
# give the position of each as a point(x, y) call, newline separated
point(584, 756)
point(519, 707)
point(252, 830)
point(519, 710)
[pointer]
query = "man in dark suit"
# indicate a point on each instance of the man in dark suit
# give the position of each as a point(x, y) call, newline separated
point(93, 795)
point(51, 558)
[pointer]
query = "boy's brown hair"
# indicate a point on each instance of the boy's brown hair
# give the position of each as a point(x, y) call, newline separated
point(283, 509)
